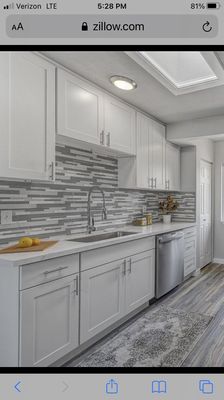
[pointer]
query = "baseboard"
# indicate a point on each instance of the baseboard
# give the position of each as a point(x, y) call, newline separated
point(218, 260)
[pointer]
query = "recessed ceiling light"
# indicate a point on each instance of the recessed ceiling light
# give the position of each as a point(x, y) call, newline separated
point(123, 83)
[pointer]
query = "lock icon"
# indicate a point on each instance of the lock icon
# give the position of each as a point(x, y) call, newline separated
point(85, 26)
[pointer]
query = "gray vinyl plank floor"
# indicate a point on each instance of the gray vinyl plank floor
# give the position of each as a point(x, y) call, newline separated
point(203, 294)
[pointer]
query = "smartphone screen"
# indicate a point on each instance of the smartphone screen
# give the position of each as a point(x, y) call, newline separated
point(112, 23)
point(111, 199)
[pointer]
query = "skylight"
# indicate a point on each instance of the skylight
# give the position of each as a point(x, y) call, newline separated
point(182, 69)
point(182, 72)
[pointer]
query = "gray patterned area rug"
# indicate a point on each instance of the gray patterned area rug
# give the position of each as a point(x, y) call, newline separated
point(161, 337)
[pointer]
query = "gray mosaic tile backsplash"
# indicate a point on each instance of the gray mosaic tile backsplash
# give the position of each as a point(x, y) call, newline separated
point(50, 210)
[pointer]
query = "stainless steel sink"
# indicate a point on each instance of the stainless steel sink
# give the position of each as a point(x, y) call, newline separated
point(102, 236)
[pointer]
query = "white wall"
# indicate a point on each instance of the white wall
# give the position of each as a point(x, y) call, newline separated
point(218, 226)
point(200, 127)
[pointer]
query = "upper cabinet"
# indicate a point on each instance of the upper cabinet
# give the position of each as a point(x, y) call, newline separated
point(172, 167)
point(119, 125)
point(156, 155)
point(27, 123)
point(87, 114)
point(79, 109)
point(148, 169)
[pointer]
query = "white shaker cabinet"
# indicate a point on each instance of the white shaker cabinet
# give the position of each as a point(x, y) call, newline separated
point(150, 158)
point(27, 123)
point(102, 298)
point(49, 316)
point(79, 109)
point(86, 113)
point(119, 125)
point(142, 151)
point(190, 243)
point(172, 167)
point(156, 155)
point(147, 170)
point(140, 280)
point(111, 289)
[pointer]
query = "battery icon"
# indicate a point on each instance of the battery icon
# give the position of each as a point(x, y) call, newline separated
point(213, 5)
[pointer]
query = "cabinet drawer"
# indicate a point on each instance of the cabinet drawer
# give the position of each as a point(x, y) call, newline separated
point(190, 247)
point(189, 265)
point(94, 258)
point(189, 233)
point(45, 271)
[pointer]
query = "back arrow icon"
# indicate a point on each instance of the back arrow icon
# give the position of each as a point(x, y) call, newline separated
point(16, 386)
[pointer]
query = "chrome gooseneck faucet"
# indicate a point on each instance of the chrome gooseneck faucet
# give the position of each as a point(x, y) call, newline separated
point(91, 227)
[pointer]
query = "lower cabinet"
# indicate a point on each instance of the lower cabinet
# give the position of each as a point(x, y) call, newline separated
point(49, 321)
point(190, 242)
point(140, 280)
point(111, 291)
point(102, 298)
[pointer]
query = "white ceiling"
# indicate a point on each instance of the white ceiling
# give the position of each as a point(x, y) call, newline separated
point(150, 95)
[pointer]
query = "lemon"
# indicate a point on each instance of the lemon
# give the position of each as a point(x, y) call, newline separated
point(25, 242)
point(35, 241)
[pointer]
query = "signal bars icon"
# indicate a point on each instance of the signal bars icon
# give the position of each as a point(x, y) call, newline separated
point(9, 6)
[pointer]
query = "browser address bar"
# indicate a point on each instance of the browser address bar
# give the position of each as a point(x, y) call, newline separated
point(129, 26)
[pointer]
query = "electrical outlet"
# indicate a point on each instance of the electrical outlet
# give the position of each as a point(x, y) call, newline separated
point(144, 209)
point(6, 217)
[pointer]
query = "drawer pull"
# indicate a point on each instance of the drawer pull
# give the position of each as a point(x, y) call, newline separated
point(189, 248)
point(130, 266)
point(76, 291)
point(55, 270)
point(124, 267)
point(191, 264)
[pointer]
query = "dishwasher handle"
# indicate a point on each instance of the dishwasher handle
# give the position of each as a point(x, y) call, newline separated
point(170, 238)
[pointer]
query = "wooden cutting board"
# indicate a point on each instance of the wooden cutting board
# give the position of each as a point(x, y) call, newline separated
point(16, 249)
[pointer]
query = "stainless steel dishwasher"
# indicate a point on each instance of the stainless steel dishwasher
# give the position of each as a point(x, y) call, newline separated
point(169, 262)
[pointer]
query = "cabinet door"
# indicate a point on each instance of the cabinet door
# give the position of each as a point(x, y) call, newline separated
point(142, 151)
point(158, 155)
point(49, 321)
point(79, 108)
point(172, 167)
point(140, 280)
point(102, 298)
point(119, 122)
point(27, 127)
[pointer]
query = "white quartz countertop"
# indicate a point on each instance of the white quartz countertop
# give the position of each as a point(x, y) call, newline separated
point(66, 247)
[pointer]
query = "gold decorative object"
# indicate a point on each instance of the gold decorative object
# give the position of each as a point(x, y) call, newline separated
point(169, 205)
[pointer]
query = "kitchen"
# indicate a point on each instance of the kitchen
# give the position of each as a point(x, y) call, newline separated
point(111, 163)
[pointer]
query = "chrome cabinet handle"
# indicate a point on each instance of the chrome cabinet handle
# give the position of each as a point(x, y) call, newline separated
point(52, 170)
point(155, 182)
point(102, 137)
point(76, 281)
point(130, 266)
point(124, 267)
point(55, 270)
point(167, 183)
point(108, 139)
point(151, 183)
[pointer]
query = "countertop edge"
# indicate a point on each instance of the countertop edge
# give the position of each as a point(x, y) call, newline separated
point(67, 247)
